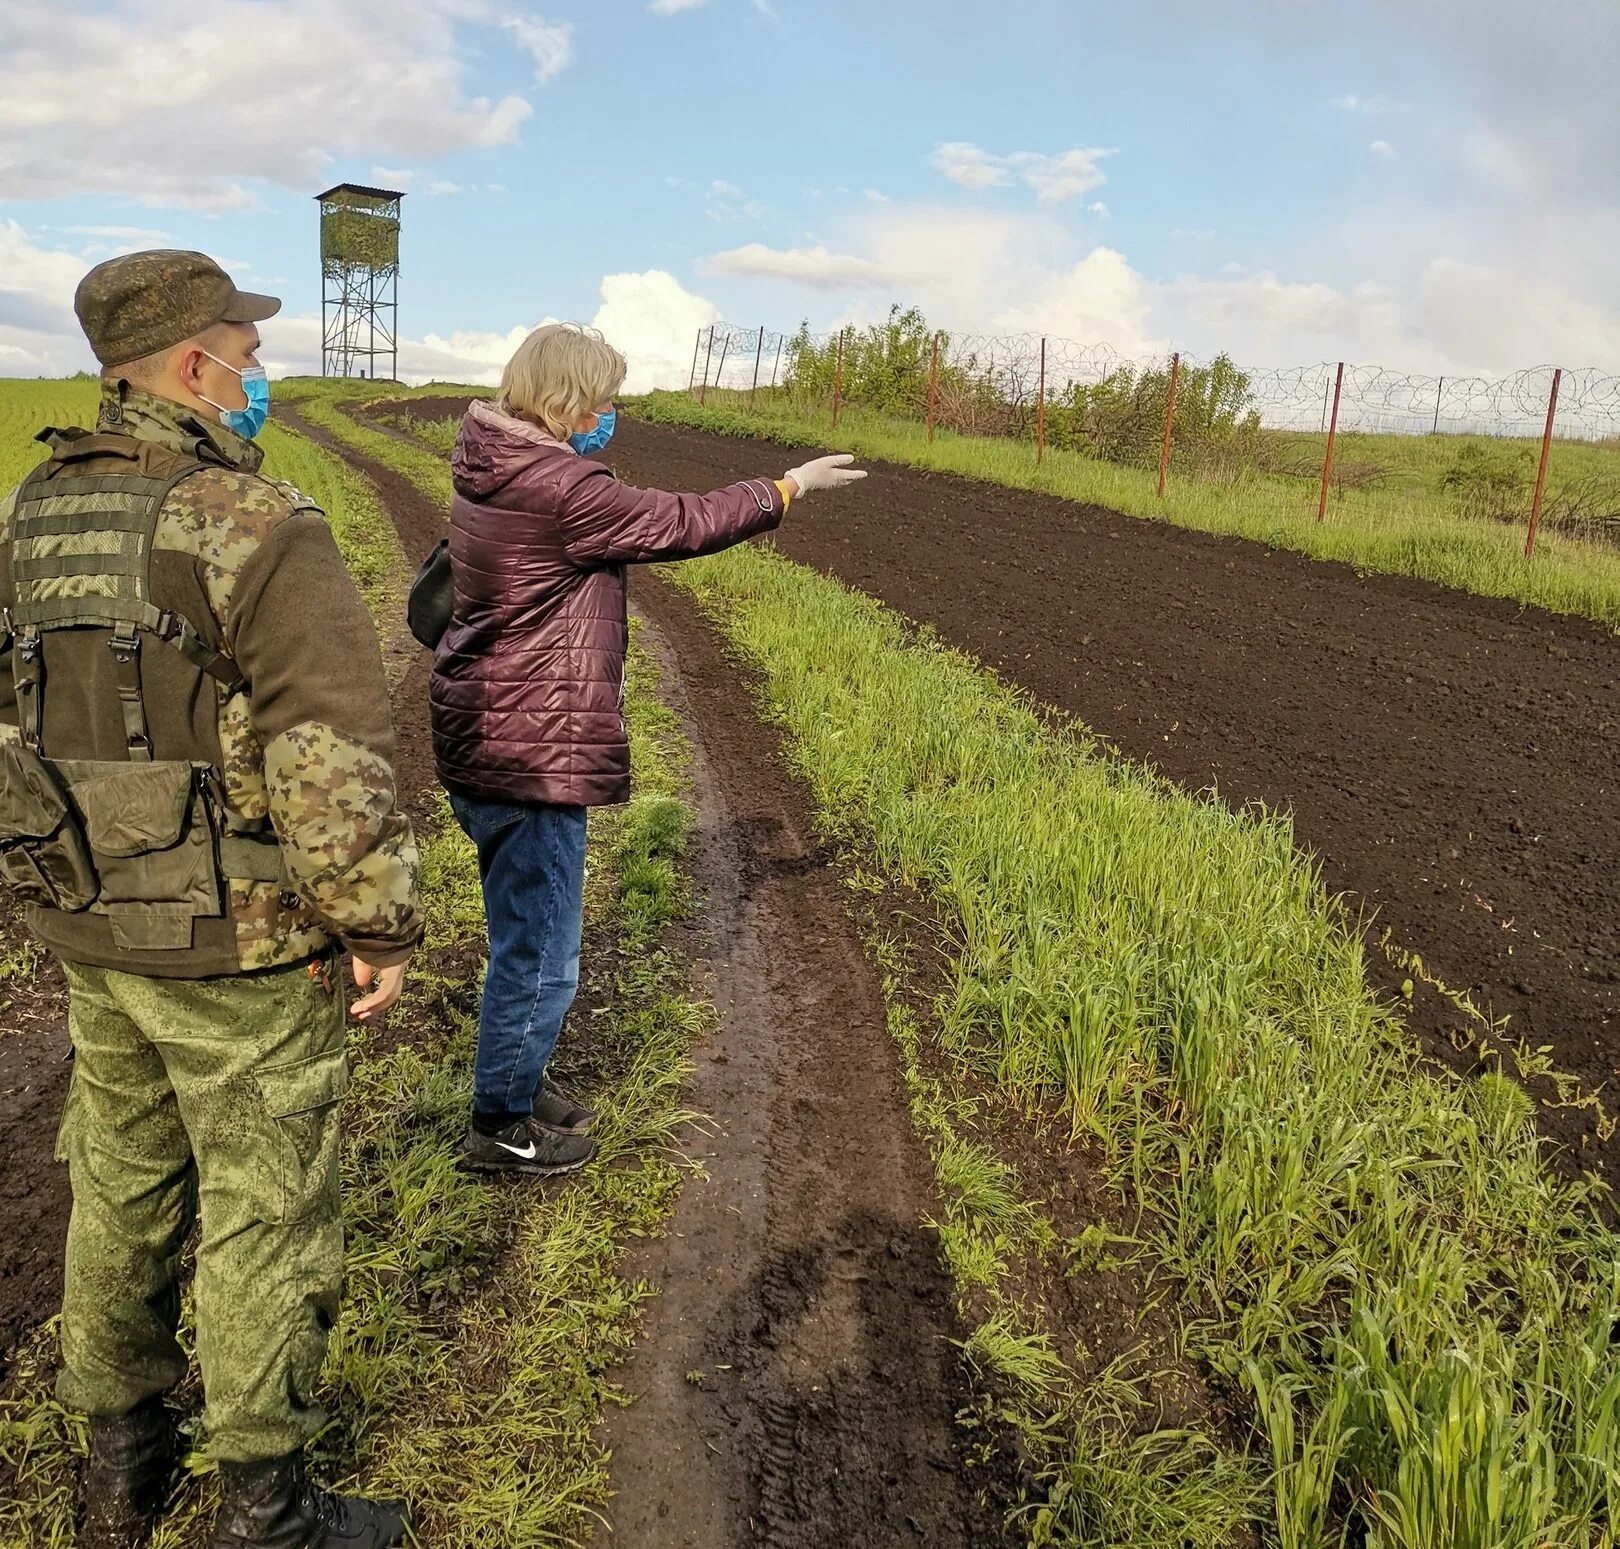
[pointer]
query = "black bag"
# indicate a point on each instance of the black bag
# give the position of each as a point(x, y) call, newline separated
point(427, 609)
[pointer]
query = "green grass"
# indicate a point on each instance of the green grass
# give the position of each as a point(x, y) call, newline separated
point(321, 403)
point(437, 434)
point(27, 405)
point(1370, 1252)
point(471, 1363)
point(1400, 525)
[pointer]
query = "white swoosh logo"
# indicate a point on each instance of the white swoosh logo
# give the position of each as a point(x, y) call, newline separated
point(519, 1151)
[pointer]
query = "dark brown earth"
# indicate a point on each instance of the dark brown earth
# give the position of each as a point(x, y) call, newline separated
point(34, 1070)
point(1451, 759)
point(797, 1382)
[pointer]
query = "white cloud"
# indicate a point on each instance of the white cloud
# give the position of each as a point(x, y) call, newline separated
point(724, 189)
point(1099, 209)
point(401, 178)
point(970, 167)
point(674, 7)
point(650, 316)
point(38, 333)
point(997, 271)
point(653, 319)
point(1100, 300)
point(549, 44)
point(1382, 149)
point(98, 99)
point(1054, 179)
point(812, 266)
point(440, 188)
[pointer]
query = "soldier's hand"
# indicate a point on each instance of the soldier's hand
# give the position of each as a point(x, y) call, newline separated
point(385, 984)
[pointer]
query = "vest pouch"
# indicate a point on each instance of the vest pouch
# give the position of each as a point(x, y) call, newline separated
point(152, 837)
point(44, 857)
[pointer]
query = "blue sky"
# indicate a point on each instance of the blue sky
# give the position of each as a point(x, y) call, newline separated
point(1288, 180)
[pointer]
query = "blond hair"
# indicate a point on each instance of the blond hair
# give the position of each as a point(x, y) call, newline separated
point(559, 374)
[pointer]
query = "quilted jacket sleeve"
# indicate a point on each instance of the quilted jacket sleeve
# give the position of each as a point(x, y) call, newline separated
point(606, 522)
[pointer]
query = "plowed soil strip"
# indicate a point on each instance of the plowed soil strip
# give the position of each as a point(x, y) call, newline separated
point(1452, 759)
point(796, 1382)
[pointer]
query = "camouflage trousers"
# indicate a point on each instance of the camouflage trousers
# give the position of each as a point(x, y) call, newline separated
point(215, 1098)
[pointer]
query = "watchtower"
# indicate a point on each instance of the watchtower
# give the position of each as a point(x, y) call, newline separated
point(359, 280)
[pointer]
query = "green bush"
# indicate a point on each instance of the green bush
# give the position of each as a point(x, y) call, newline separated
point(1489, 482)
point(1121, 418)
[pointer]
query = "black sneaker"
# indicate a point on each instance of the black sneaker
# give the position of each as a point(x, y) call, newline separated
point(554, 1108)
point(529, 1146)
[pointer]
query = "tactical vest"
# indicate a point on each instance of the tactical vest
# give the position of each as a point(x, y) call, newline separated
point(150, 844)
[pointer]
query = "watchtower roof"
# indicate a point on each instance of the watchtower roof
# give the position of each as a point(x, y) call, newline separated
point(359, 188)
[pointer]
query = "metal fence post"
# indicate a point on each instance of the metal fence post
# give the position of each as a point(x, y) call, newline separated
point(933, 388)
point(759, 354)
point(1040, 411)
point(703, 392)
point(1541, 472)
point(777, 366)
point(838, 379)
point(1434, 429)
point(1169, 418)
point(1333, 430)
point(697, 344)
point(725, 348)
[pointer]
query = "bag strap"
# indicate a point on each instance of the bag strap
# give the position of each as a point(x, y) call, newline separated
point(27, 676)
point(81, 555)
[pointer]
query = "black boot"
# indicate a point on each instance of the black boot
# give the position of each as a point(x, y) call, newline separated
point(273, 1506)
point(127, 1479)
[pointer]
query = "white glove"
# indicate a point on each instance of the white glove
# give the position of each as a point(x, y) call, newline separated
point(826, 473)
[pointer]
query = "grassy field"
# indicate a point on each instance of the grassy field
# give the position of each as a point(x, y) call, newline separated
point(1412, 1322)
point(1420, 1318)
point(1402, 522)
point(1415, 1321)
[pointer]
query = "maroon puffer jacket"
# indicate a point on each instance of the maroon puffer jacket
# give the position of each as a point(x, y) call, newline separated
point(528, 684)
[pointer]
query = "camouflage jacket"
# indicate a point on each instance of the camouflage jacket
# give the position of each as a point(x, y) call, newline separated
point(254, 567)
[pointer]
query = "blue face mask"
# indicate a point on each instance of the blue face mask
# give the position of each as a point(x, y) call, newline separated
point(246, 422)
point(589, 441)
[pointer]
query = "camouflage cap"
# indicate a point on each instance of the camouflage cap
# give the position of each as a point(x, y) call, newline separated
point(144, 302)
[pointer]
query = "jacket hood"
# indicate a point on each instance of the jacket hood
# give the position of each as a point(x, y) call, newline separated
point(493, 448)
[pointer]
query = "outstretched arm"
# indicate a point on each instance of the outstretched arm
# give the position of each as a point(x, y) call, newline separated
point(605, 521)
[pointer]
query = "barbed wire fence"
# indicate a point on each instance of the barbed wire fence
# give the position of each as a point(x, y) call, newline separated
point(1006, 384)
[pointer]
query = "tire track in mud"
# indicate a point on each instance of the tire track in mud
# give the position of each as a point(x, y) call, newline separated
point(798, 1380)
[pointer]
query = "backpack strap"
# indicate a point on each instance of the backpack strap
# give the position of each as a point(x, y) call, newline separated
point(81, 556)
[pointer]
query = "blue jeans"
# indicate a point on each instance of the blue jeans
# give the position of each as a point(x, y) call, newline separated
point(531, 860)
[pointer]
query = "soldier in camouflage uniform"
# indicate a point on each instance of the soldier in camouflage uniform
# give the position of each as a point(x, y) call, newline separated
point(199, 830)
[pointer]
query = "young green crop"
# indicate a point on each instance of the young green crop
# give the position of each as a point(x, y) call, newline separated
point(1424, 1316)
point(27, 405)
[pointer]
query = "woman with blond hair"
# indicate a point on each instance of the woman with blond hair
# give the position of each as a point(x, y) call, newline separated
point(528, 695)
